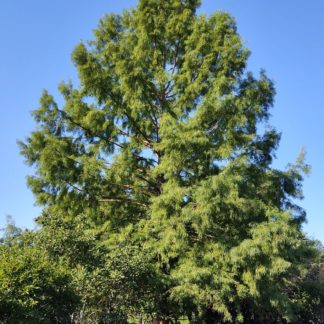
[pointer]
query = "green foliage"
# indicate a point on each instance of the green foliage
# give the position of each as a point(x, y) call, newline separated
point(156, 177)
point(112, 284)
point(120, 288)
point(61, 273)
point(32, 287)
point(309, 294)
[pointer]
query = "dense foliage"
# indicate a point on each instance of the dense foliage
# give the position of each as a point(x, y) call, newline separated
point(157, 183)
point(32, 287)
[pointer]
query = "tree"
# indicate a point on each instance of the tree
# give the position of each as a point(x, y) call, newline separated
point(309, 294)
point(32, 287)
point(112, 285)
point(60, 274)
point(160, 147)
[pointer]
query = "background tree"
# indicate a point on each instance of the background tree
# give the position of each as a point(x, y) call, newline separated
point(61, 274)
point(309, 294)
point(160, 148)
point(113, 285)
point(33, 288)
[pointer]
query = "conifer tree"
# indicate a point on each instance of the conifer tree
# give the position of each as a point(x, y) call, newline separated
point(165, 144)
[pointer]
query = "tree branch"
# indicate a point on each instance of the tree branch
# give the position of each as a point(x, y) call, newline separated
point(107, 199)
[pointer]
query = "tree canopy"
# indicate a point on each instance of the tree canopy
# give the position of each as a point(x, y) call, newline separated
point(162, 157)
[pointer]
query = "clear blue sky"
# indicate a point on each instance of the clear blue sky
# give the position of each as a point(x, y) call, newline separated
point(285, 37)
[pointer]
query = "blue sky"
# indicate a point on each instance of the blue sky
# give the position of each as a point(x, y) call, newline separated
point(286, 39)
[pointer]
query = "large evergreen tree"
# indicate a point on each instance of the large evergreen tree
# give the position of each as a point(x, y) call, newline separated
point(165, 145)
